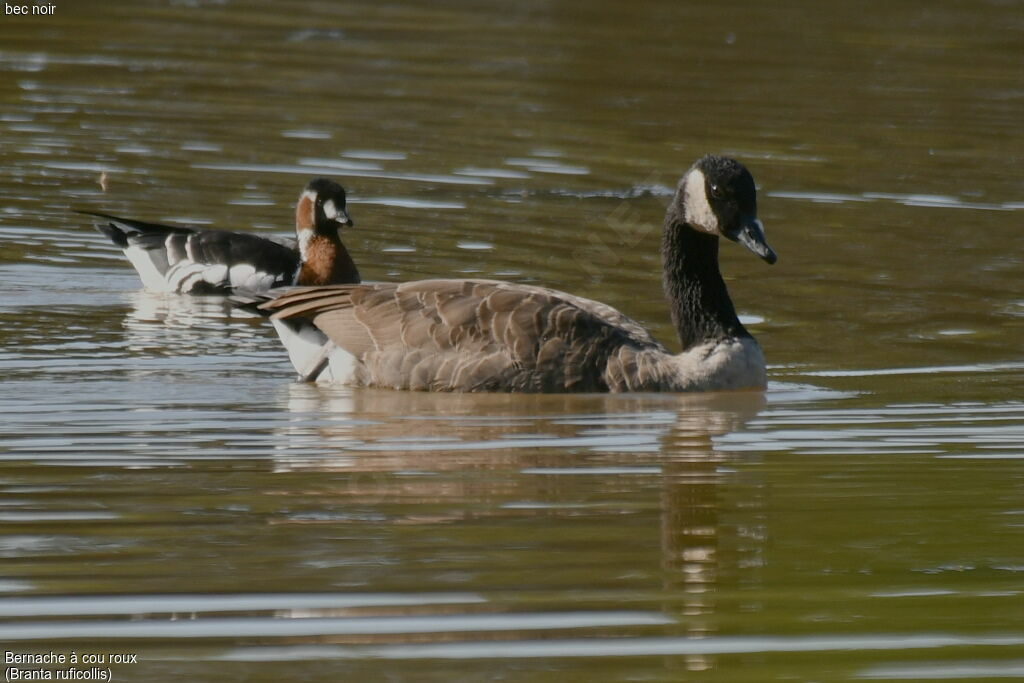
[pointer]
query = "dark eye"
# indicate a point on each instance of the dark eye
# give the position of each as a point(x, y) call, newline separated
point(715, 191)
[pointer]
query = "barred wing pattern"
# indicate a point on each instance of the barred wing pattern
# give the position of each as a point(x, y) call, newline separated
point(182, 260)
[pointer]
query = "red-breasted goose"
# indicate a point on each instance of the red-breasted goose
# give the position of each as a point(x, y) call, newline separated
point(188, 261)
point(486, 335)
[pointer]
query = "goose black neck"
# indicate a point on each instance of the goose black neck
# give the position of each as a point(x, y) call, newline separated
point(699, 302)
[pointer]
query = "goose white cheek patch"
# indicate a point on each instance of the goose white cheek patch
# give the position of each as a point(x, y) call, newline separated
point(698, 211)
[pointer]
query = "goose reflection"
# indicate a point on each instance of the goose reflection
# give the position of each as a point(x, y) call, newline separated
point(711, 536)
point(169, 325)
point(344, 429)
point(448, 464)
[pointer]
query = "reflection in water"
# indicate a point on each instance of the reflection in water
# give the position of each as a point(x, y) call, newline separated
point(394, 430)
point(574, 526)
point(161, 469)
point(613, 436)
point(193, 337)
point(155, 310)
point(699, 547)
point(181, 324)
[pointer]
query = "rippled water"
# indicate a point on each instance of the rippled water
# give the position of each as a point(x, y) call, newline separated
point(167, 490)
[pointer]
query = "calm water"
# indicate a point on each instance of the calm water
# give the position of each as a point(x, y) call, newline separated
point(167, 491)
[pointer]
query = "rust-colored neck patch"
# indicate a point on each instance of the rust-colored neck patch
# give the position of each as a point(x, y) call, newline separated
point(327, 262)
point(305, 213)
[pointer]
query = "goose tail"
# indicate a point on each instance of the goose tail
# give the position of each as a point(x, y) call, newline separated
point(309, 350)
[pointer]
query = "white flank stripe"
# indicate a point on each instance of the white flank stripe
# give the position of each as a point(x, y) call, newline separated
point(182, 275)
point(215, 274)
point(188, 248)
point(242, 275)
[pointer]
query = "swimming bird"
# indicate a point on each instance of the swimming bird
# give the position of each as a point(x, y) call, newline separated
point(488, 335)
point(189, 261)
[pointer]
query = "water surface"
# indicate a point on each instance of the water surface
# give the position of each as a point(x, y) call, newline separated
point(167, 490)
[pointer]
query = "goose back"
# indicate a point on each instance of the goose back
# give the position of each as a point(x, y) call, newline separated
point(478, 335)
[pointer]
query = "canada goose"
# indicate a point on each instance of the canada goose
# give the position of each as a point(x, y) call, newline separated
point(187, 261)
point(486, 335)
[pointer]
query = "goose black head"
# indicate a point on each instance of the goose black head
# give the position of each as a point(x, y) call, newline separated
point(717, 196)
point(322, 207)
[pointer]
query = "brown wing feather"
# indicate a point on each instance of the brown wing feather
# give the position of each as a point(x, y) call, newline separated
point(610, 315)
point(468, 335)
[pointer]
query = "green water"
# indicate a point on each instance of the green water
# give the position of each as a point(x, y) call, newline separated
point(167, 491)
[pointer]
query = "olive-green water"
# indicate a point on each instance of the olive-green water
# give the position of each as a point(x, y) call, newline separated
point(168, 491)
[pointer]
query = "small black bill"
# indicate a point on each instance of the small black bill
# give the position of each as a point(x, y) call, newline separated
point(751, 235)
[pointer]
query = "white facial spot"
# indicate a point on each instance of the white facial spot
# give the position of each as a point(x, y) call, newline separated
point(696, 208)
point(330, 210)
